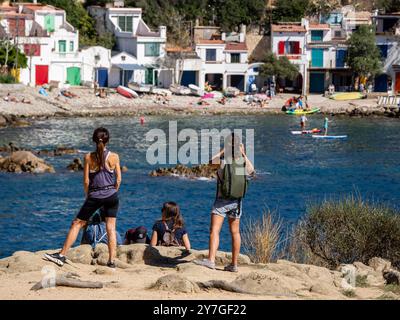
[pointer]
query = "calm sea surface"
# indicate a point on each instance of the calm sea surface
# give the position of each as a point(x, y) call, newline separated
point(36, 210)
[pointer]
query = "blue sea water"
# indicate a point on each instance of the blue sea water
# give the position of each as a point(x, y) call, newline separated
point(36, 210)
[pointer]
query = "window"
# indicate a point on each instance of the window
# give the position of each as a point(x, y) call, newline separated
point(152, 49)
point(317, 58)
point(235, 57)
point(62, 46)
point(49, 23)
point(317, 35)
point(211, 55)
point(125, 23)
point(340, 58)
point(289, 47)
point(337, 34)
point(383, 48)
point(71, 46)
point(32, 50)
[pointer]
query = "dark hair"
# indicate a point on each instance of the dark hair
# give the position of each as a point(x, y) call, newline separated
point(100, 137)
point(171, 211)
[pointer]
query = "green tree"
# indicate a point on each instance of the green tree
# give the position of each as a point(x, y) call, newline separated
point(9, 54)
point(279, 67)
point(389, 5)
point(289, 10)
point(363, 56)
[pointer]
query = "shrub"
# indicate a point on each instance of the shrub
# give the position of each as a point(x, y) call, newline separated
point(7, 78)
point(261, 237)
point(345, 231)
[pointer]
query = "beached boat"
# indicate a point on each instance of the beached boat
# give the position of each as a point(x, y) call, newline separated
point(232, 92)
point(196, 90)
point(347, 96)
point(179, 90)
point(124, 91)
point(144, 88)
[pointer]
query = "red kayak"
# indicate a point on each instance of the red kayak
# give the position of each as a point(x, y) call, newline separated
point(124, 92)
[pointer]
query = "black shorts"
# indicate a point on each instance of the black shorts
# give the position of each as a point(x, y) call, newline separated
point(91, 205)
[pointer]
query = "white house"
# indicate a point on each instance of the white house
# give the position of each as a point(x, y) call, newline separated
point(135, 40)
point(224, 60)
point(289, 40)
point(51, 45)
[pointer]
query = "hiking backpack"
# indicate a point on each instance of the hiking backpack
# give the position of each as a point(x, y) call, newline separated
point(169, 237)
point(233, 184)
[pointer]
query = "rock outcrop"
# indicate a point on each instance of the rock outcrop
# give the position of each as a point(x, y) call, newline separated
point(24, 161)
point(200, 171)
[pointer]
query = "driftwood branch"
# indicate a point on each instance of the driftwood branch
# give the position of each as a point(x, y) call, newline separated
point(223, 285)
point(67, 281)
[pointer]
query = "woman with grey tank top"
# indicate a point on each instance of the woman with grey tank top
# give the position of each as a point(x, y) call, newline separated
point(102, 178)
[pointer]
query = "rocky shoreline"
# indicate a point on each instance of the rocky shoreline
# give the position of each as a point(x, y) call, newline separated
point(145, 272)
point(87, 105)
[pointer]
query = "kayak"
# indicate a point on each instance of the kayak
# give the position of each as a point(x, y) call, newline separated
point(307, 131)
point(328, 137)
point(132, 92)
point(124, 91)
point(300, 112)
point(347, 96)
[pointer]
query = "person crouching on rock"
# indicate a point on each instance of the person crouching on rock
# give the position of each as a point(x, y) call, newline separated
point(231, 187)
point(170, 230)
point(102, 179)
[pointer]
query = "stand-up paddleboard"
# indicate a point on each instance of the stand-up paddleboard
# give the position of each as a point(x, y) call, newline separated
point(124, 91)
point(300, 112)
point(347, 96)
point(307, 131)
point(317, 136)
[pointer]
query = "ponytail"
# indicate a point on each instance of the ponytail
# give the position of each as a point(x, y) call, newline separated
point(171, 211)
point(100, 137)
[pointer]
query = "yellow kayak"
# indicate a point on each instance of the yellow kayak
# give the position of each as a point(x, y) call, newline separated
point(301, 112)
point(347, 96)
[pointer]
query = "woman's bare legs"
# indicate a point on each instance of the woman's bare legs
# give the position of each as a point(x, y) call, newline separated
point(215, 229)
point(73, 232)
point(236, 240)
point(112, 238)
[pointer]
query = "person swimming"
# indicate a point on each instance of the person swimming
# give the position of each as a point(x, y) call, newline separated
point(326, 124)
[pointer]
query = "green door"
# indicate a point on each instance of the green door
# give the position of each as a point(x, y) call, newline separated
point(149, 76)
point(74, 76)
point(317, 58)
point(62, 46)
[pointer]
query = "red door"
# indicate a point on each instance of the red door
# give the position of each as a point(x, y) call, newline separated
point(397, 84)
point(42, 74)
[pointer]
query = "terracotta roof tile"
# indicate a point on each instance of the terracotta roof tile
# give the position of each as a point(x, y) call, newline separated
point(288, 28)
point(236, 46)
point(205, 41)
point(319, 26)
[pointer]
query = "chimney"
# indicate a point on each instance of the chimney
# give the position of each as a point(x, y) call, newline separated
point(20, 8)
point(197, 22)
point(223, 36)
point(34, 1)
point(163, 31)
point(119, 4)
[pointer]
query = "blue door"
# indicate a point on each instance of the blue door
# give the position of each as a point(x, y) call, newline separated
point(317, 82)
point(102, 77)
point(381, 83)
point(188, 77)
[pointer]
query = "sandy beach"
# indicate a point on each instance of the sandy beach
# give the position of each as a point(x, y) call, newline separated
point(87, 104)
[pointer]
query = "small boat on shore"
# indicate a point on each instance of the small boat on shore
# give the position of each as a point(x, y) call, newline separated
point(127, 92)
point(299, 112)
point(179, 90)
point(347, 96)
point(232, 92)
point(197, 91)
point(143, 88)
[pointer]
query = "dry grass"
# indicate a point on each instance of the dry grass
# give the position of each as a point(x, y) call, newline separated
point(261, 237)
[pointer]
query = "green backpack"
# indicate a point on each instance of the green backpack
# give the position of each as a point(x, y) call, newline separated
point(234, 183)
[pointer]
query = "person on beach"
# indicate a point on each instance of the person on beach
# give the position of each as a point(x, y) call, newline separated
point(303, 120)
point(170, 229)
point(136, 235)
point(232, 177)
point(102, 179)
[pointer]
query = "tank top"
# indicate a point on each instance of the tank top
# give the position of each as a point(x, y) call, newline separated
point(102, 182)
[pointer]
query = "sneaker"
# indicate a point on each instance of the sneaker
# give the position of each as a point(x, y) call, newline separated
point(56, 258)
point(205, 263)
point(231, 268)
point(111, 264)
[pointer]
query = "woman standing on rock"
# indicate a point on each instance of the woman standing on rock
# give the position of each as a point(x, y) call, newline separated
point(102, 179)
